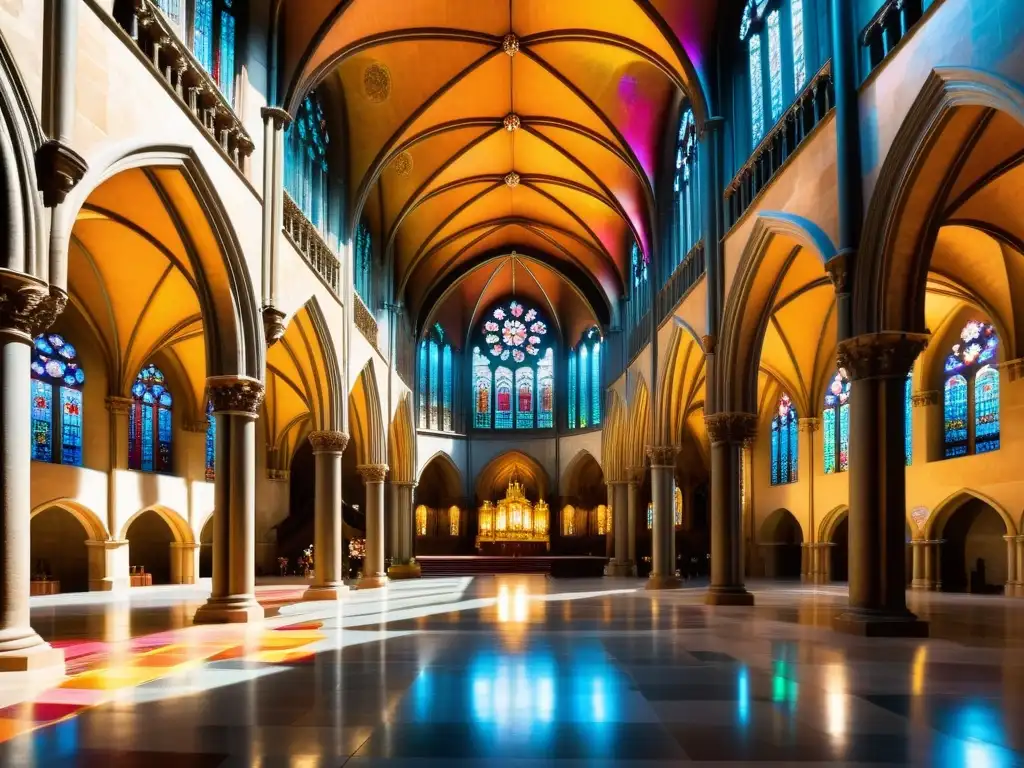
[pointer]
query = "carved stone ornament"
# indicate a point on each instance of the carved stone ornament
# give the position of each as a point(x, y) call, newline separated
point(372, 473)
point(117, 404)
point(280, 117)
point(410, 484)
point(1014, 369)
point(273, 325)
point(510, 44)
point(231, 395)
point(921, 399)
point(27, 305)
point(662, 455)
point(512, 122)
point(880, 355)
point(812, 424)
point(734, 428)
point(328, 442)
point(838, 272)
point(708, 342)
point(58, 169)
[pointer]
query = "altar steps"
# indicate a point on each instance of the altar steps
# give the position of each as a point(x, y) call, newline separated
point(486, 565)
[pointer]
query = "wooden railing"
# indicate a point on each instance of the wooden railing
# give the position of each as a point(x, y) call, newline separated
point(683, 278)
point(311, 245)
point(156, 36)
point(365, 322)
point(888, 27)
point(808, 110)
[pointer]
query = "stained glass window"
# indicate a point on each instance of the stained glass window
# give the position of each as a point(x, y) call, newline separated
point(226, 61)
point(836, 418)
point(515, 333)
point(775, 64)
point(481, 390)
point(211, 443)
point(363, 254)
point(784, 443)
point(446, 388)
point(214, 37)
point(432, 396)
point(573, 392)
point(687, 208)
point(503, 398)
point(756, 95)
point(595, 384)
point(421, 520)
point(796, 8)
point(307, 177)
point(171, 9)
point(650, 515)
point(453, 520)
point(584, 385)
point(677, 515)
point(422, 388)
point(972, 389)
point(202, 33)
point(908, 421)
point(150, 429)
point(55, 364)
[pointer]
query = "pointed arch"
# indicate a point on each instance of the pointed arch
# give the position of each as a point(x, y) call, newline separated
point(95, 529)
point(494, 477)
point(945, 509)
point(366, 418)
point(454, 484)
point(579, 463)
point(180, 528)
point(679, 379)
point(613, 437)
point(329, 415)
point(830, 522)
point(402, 443)
point(638, 426)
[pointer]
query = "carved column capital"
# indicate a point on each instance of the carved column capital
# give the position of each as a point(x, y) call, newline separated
point(883, 355)
point(662, 455)
point(734, 428)
point(233, 395)
point(328, 441)
point(58, 169)
point(279, 115)
point(811, 424)
point(28, 306)
point(708, 342)
point(273, 324)
point(372, 473)
point(116, 404)
point(928, 397)
point(410, 484)
point(635, 475)
point(838, 272)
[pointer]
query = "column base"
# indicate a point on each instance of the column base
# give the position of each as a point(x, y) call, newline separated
point(229, 610)
point(728, 596)
point(372, 582)
point(660, 581)
point(406, 571)
point(619, 570)
point(325, 592)
point(880, 624)
point(30, 653)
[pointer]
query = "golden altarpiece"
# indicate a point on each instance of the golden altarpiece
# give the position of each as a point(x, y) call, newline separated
point(514, 525)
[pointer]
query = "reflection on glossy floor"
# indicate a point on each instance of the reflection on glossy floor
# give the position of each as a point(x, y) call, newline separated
point(522, 671)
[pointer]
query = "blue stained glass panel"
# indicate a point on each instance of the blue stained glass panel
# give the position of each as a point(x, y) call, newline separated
point(42, 421)
point(481, 390)
point(775, 452)
point(432, 395)
point(828, 439)
point(784, 445)
point(524, 398)
point(147, 438)
point(844, 437)
point(595, 385)
point(986, 410)
point(164, 434)
point(503, 398)
point(756, 93)
point(422, 369)
point(446, 389)
point(584, 386)
point(908, 421)
point(202, 33)
point(572, 390)
point(546, 391)
point(955, 415)
point(799, 58)
point(794, 450)
point(226, 65)
point(775, 64)
point(211, 443)
point(71, 426)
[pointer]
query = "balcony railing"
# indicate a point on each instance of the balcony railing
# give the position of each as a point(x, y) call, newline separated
point(808, 110)
point(311, 245)
point(365, 322)
point(683, 278)
point(156, 36)
point(888, 27)
point(640, 334)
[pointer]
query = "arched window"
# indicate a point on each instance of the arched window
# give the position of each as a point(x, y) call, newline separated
point(971, 392)
point(149, 422)
point(650, 515)
point(908, 423)
point(685, 187)
point(677, 507)
point(434, 385)
point(773, 31)
point(54, 365)
point(639, 299)
point(307, 176)
point(515, 338)
point(586, 392)
point(362, 252)
point(214, 34)
point(785, 443)
point(836, 424)
point(211, 443)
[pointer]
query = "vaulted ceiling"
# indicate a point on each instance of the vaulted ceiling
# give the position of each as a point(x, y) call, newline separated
point(478, 127)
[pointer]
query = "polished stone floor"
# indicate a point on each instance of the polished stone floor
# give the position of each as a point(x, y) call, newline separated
point(519, 671)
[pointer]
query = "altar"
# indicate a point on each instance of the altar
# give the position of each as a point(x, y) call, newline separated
point(513, 526)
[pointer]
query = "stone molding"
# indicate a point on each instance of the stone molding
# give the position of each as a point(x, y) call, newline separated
point(279, 115)
point(928, 397)
point(328, 441)
point(233, 395)
point(708, 343)
point(273, 324)
point(734, 428)
point(838, 272)
point(278, 475)
point(28, 306)
point(662, 455)
point(1013, 368)
point(884, 355)
point(410, 484)
point(58, 169)
point(810, 424)
point(373, 473)
point(117, 404)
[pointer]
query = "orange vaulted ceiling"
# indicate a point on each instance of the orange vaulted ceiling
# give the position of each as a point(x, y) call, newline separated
point(475, 127)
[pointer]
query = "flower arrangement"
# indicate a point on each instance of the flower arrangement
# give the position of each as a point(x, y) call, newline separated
point(282, 564)
point(357, 548)
point(306, 561)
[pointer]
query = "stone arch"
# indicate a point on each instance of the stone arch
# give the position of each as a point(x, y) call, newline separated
point(971, 528)
point(366, 418)
point(781, 538)
point(830, 522)
point(233, 326)
point(440, 482)
point(178, 565)
point(945, 509)
point(680, 380)
point(63, 535)
point(583, 480)
point(180, 528)
point(206, 548)
point(637, 427)
point(613, 438)
point(892, 261)
point(494, 477)
point(329, 413)
point(94, 527)
point(402, 442)
point(775, 239)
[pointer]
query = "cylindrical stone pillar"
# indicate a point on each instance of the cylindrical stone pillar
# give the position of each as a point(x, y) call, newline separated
point(1020, 566)
point(328, 579)
point(402, 565)
point(878, 364)
point(373, 563)
point(632, 500)
point(919, 555)
point(236, 403)
point(663, 566)
point(620, 565)
point(727, 431)
point(1011, 565)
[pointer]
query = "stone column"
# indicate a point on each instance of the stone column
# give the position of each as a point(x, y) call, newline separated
point(632, 501)
point(328, 580)
point(118, 408)
point(236, 403)
point(621, 565)
point(808, 453)
point(184, 562)
point(25, 309)
point(403, 565)
point(728, 432)
point(373, 564)
point(1020, 566)
point(1011, 566)
point(108, 565)
point(919, 554)
point(663, 567)
point(275, 122)
point(878, 365)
